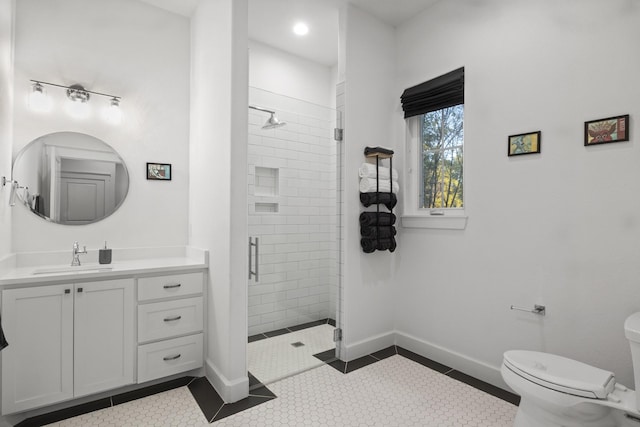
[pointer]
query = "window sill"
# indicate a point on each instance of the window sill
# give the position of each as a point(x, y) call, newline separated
point(434, 221)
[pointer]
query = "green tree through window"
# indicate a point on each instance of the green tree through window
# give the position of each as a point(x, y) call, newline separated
point(442, 140)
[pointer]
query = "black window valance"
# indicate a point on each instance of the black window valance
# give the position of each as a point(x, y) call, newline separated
point(435, 94)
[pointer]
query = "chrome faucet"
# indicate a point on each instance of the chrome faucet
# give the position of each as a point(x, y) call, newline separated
point(76, 254)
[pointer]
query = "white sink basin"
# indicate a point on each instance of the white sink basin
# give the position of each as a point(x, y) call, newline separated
point(76, 269)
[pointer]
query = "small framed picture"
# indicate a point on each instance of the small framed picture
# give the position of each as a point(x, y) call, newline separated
point(524, 143)
point(603, 131)
point(159, 171)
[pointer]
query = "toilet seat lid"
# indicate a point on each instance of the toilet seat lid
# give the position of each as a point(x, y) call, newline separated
point(561, 374)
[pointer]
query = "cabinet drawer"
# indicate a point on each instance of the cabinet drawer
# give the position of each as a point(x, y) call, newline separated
point(160, 359)
point(168, 319)
point(175, 285)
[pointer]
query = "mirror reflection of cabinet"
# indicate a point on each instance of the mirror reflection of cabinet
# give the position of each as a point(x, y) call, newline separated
point(71, 178)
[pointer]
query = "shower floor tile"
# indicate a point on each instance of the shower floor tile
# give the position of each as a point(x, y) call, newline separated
point(275, 358)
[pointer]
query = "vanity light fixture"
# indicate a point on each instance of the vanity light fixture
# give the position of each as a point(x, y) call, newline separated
point(113, 113)
point(38, 99)
point(78, 105)
point(78, 100)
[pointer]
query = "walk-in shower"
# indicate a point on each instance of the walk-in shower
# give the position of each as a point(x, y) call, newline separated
point(293, 214)
point(272, 122)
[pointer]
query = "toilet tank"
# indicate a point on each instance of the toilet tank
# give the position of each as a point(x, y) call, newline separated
point(632, 332)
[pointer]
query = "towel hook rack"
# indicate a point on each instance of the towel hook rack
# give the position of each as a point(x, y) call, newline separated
point(537, 309)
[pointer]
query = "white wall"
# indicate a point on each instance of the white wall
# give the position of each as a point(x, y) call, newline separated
point(368, 280)
point(286, 74)
point(561, 228)
point(126, 48)
point(217, 194)
point(6, 119)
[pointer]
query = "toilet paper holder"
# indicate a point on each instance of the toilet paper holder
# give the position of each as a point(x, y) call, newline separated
point(537, 309)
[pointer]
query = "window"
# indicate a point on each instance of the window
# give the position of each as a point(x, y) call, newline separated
point(434, 112)
point(441, 143)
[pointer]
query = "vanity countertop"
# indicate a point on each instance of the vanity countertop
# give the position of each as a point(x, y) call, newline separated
point(13, 274)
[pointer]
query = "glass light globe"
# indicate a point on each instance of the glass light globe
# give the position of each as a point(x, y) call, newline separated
point(113, 113)
point(78, 109)
point(38, 99)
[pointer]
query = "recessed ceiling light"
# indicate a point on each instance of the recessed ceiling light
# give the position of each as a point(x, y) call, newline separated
point(301, 29)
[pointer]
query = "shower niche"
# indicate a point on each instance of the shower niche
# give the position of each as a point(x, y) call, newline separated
point(266, 189)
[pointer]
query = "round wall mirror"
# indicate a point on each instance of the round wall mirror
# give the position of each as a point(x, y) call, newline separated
point(70, 178)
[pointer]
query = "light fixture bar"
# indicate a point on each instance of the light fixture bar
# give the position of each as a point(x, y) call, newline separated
point(75, 87)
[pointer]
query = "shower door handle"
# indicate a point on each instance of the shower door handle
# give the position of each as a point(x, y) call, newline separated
point(253, 246)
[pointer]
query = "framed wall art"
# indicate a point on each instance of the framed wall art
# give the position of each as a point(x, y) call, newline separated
point(159, 171)
point(603, 131)
point(524, 143)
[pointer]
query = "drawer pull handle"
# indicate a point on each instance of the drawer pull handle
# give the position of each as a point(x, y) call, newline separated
point(171, 319)
point(177, 285)
point(168, 358)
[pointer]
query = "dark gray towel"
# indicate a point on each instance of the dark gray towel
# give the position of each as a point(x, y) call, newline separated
point(3, 341)
point(375, 231)
point(377, 218)
point(370, 245)
point(377, 150)
point(387, 199)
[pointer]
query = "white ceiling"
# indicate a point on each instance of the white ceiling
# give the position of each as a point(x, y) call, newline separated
point(271, 21)
point(393, 12)
point(181, 7)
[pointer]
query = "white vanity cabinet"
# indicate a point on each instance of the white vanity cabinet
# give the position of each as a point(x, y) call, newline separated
point(170, 325)
point(66, 341)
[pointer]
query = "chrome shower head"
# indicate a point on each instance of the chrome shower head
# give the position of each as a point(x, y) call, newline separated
point(273, 122)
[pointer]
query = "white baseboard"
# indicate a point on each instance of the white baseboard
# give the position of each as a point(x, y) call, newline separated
point(358, 349)
point(460, 362)
point(229, 390)
point(457, 361)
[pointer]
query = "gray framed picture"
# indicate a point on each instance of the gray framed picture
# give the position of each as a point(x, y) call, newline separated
point(524, 143)
point(159, 171)
point(603, 131)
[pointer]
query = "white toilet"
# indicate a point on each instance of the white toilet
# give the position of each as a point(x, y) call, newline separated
point(560, 392)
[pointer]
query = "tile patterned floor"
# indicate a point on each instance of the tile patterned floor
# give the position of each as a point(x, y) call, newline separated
point(275, 358)
point(171, 408)
point(395, 391)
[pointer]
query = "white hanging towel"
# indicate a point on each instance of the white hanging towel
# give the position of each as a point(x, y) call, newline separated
point(368, 185)
point(368, 170)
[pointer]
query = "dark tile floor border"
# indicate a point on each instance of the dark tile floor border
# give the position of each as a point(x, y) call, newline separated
point(104, 403)
point(289, 329)
point(214, 408)
point(346, 367)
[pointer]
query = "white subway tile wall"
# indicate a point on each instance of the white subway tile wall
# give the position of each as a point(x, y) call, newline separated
point(293, 211)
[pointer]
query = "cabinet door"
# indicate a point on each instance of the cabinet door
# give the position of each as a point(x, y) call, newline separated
point(37, 367)
point(104, 340)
